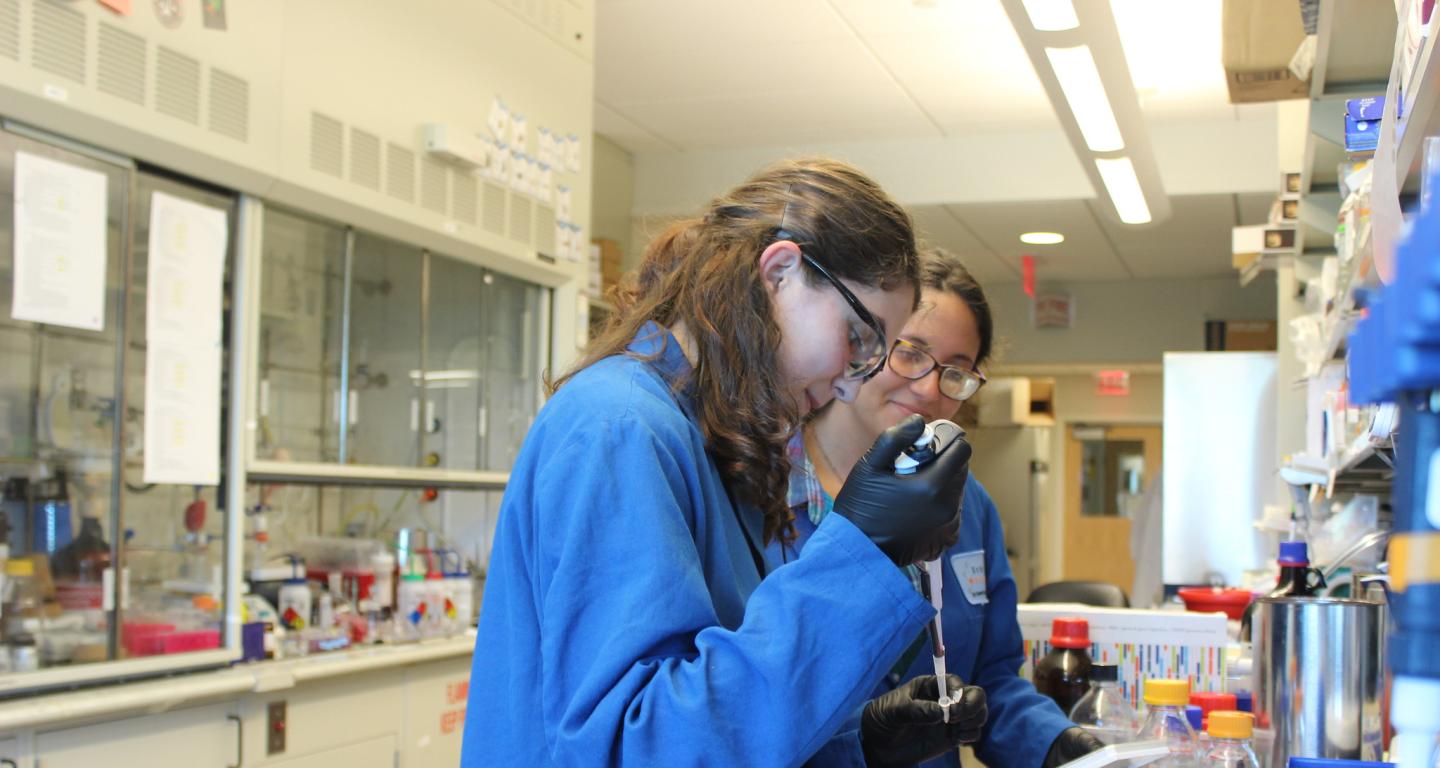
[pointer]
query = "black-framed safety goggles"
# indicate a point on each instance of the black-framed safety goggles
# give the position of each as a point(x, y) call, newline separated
point(866, 338)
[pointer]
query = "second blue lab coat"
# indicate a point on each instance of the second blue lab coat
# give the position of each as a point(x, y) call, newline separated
point(982, 641)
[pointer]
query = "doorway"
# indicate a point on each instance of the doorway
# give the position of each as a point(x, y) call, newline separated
point(1107, 471)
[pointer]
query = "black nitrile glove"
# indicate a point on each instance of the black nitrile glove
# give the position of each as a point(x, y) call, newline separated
point(1071, 744)
point(907, 725)
point(911, 517)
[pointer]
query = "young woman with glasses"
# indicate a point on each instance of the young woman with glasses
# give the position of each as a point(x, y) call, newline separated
point(933, 366)
point(629, 614)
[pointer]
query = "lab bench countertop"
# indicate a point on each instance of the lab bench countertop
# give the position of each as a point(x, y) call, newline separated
point(160, 695)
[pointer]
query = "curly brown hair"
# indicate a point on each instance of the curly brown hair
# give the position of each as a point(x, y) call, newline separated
point(705, 272)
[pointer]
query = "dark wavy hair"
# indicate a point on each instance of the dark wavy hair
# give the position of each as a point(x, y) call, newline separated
point(941, 270)
point(705, 272)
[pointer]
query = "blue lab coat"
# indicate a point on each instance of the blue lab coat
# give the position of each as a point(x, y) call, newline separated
point(624, 617)
point(982, 641)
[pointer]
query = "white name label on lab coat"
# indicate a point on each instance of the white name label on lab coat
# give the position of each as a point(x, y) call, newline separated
point(970, 572)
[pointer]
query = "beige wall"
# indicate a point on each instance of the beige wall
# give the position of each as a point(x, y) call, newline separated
point(1126, 321)
point(613, 195)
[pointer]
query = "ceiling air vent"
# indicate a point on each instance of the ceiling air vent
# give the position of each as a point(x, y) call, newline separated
point(400, 172)
point(545, 230)
point(463, 197)
point(58, 45)
point(521, 213)
point(327, 141)
point(365, 159)
point(432, 185)
point(10, 29)
point(120, 64)
point(177, 86)
point(229, 105)
point(492, 208)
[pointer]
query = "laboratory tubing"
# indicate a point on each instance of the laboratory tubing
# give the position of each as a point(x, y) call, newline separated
point(1230, 734)
point(1104, 711)
point(1165, 720)
point(1064, 673)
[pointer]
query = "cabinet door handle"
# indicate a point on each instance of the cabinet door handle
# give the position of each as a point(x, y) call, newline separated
point(239, 740)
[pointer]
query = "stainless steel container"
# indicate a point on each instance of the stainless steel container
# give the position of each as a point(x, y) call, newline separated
point(1319, 669)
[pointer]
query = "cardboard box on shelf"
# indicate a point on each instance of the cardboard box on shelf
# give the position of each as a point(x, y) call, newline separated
point(612, 258)
point(1259, 39)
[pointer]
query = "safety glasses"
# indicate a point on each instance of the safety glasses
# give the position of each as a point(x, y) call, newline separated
point(914, 362)
point(866, 335)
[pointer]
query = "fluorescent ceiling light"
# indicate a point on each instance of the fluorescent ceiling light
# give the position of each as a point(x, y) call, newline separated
point(1085, 93)
point(1051, 15)
point(1042, 238)
point(1124, 189)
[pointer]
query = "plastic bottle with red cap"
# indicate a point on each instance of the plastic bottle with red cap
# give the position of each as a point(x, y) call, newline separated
point(1064, 673)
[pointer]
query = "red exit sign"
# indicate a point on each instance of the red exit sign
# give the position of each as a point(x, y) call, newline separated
point(1112, 383)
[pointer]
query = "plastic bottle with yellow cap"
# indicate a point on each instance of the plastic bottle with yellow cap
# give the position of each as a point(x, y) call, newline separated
point(1230, 734)
point(1165, 720)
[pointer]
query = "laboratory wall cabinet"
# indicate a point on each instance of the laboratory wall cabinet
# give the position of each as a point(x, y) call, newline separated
point(78, 509)
point(348, 385)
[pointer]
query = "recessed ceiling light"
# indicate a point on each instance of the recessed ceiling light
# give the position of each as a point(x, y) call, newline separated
point(1042, 238)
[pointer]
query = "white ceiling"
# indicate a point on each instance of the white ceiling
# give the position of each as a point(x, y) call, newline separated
point(1195, 241)
point(693, 83)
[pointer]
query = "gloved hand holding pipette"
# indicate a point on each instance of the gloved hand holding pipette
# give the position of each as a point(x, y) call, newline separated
point(908, 726)
point(911, 515)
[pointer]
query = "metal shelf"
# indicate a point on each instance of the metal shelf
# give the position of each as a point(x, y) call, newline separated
point(1354, 43)
point(318, 473)
point(1421, 117)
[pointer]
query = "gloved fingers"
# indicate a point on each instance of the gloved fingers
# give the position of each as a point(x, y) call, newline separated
point(954, 457)
point(970, 709)
point(893, 441)
point(942, 538)
point(968, 736)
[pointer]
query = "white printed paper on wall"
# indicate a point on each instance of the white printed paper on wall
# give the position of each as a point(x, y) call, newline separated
point(60, 258)
point(183, 307)
point(562, 202)
point(500, 169)
point(544, 148)
point(499, 121)
point(519, 173)
point(519, 133)
point(544, 183)
point(572, 154)
point(577, 242)
point(562, 240)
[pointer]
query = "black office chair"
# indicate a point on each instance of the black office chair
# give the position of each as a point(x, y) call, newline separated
point(1098, 593)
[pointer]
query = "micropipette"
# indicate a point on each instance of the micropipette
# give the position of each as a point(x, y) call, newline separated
point(937, 437)
point(930, 587)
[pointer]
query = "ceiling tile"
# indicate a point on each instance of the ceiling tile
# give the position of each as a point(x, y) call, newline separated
point(780, 118)
point(1253, 207)
point(1086, 254)
point(628, 134)
point(936, 226)
point(961, 61)
point(1193, 242)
